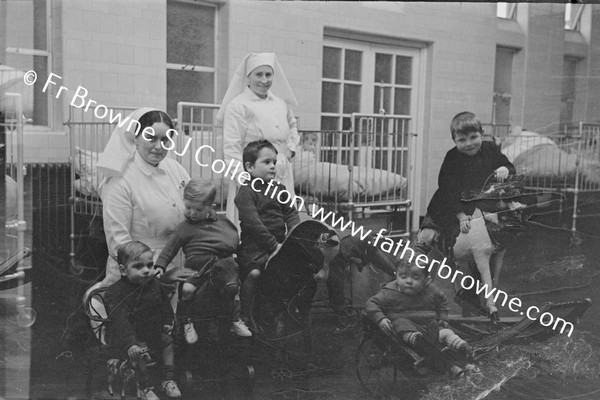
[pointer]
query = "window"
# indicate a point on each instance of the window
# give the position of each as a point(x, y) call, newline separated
point(342, 86)
point(191, 44)
point(573, 16)
point(24, 32)
point(506, 10)
point(567, 97)
point(366, 78)
point(502, 86)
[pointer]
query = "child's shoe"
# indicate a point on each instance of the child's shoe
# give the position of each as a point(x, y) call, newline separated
point(189, 332)
point(239, 328)
point(171, 389)
point(147, 394)
point(468, 352)
point(456, 372)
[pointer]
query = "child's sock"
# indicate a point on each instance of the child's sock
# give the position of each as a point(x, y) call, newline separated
point(411, 338)
point(169, 371)
point(452, 340)
point(184, 309)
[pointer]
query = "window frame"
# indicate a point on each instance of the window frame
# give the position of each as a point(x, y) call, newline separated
point(368, 84)
point(503, 96)
point(49, 62)
point(575, 23)
point(201, 68)
point(511, 10)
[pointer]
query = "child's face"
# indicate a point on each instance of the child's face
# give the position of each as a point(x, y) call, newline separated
point(469, 143)
point(264, 166)
point(140, 270)
point(411, 280)
point(196, 210)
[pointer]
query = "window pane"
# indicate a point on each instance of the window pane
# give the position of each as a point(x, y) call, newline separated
point(383, 68)
point(26, 24)
point(352, 65)
point(329, 123)
point(502, 10)
point(34, 101)
point(572, 15)
point(503, 72)
point(502, 111)
point(402, 102)
point(190, 34)
point(403, 70)
point(351, 98)
point(330, 99)
point(346, 123)
point(332, 62)
point(385, 104)
point(190, 86)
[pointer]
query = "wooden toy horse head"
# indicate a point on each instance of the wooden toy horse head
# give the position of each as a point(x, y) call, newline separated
point(221, 275)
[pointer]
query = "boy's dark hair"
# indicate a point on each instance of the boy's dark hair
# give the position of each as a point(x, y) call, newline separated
point(131, 251)
point(402, 263)
point(253, 148)
point(201, 190)
point(464, 123)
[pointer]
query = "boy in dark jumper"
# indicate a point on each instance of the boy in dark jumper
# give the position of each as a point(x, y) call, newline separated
point(469, 165)
point(202, 236)
point(264, 219)
point(141, 317)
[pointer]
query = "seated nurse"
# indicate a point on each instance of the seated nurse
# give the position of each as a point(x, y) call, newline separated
point(142, 193)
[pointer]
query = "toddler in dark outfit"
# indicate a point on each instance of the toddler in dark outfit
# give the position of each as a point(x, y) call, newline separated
point(264, 219)
point(411, 298)
point(140, 316)
point(467, 166)
point(203, 235)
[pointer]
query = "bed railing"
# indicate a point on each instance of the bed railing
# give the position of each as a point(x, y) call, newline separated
point(199, 135)
point(374, 157)
point(568, 161)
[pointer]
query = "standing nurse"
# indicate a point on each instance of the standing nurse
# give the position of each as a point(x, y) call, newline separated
point(250, 111)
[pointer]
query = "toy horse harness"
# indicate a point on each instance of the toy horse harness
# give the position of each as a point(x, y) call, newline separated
point(206, 274)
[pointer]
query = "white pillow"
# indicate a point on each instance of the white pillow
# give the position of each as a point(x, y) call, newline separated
point(85, 164)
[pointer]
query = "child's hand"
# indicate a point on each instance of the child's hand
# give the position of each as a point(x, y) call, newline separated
point(323, 274)
point(386, 326)
point(501, 174)
point(465, 222)
point(160, 270)
point(442, 323)
point(135, 351)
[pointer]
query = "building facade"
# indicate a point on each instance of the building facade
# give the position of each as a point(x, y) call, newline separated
point(533, 65)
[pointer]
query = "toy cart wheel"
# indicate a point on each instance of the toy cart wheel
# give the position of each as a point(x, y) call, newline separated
point(349, 317)
point(281, 374)
point(26, 317)
point(375, 367)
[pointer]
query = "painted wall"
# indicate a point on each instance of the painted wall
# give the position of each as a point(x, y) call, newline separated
point(117, 50)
